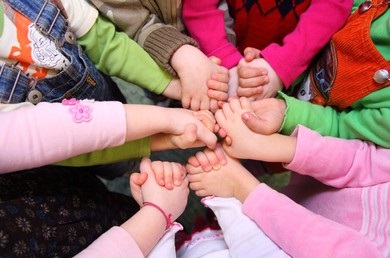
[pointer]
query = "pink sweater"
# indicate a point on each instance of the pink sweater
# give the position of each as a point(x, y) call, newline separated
point(348, 220)
point(205, 23)
point(61, 141)
point(346, 216)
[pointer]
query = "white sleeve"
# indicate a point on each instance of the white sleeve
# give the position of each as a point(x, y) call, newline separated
point(81, 16)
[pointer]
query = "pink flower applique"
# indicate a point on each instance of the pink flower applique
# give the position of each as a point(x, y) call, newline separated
point(69, 102)
point(81, 113)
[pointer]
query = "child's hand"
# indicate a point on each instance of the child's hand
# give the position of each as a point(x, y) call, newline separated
point(218, 86)
point(257, 79)
point(208, 160)
point(229, 179)
point(204, 123)
point(237, 135)
point(170, 201)
point(168, 174)
point(189, 138)
point(267, 115)
point(195, 70)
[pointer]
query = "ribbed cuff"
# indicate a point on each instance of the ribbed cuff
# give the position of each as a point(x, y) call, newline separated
point(162, 43)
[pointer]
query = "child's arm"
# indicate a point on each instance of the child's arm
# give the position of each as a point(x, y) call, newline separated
point(312, 33)
point(292, 225)
point(115, 54)
point(355, 163)
point(206, 24)
point(60, 131)
point(242, 142)
point(137, 236)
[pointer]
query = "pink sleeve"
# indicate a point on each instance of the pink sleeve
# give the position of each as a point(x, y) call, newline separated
point(355, 163)
point(301, 233)
point(47, 133)
point(315, 28)
point(205, 23)
point(116, 242)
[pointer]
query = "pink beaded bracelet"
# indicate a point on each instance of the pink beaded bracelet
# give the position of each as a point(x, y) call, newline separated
point(167, 217)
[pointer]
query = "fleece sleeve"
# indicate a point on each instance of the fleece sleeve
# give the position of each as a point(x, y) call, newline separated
point(205, 23)
point(47, 133)
point(300, 232)
point(313, 31)
point(115, 54)
point(367, 119)
point(355, 163)
point(116, 242)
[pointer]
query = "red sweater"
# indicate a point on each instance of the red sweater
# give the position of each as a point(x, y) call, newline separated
point(260, 23)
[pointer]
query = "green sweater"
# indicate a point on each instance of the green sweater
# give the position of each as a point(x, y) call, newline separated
point(111, 51)
point(367, 119)
point(115, 54)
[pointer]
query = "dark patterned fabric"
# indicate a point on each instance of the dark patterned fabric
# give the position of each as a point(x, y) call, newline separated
point(56, 211)
point(258, 23)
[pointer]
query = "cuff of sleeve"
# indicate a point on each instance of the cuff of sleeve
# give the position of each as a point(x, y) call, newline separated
point(286, 128)
point(162, 43)
point(254, 199)
point(228, 54)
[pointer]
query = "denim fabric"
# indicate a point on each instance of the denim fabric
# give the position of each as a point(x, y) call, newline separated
point(80, 79)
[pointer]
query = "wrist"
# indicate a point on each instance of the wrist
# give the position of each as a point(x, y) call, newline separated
point(247, 182)
point(167, 216)
point(161, 141)
point(181, 57)
point(173, 90)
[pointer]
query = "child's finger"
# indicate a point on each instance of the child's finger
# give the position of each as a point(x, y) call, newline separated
point(212, 159)
point(193, 161)
point(158, 170)
point(215, 60)
point(192, 170)
point(249, 92)
point(217, 95)
point(222, 78)
point(204, 161)
point(178, 173)
point(218, 151)
point(251, 53)
point(245, 103)
point(136, 181)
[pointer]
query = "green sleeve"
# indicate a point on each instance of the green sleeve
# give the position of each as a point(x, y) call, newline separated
point(115, 54)
point(129, 150)
point(368, 119)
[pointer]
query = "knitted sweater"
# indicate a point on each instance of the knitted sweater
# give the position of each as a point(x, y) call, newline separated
point(154, 24)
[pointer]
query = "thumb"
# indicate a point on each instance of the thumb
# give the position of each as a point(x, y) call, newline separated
point(215, 60)
point(136, 181)
point(251, 54)
point(252, 121)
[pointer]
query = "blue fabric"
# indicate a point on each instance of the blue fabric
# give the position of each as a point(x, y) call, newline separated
point(80, 80)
